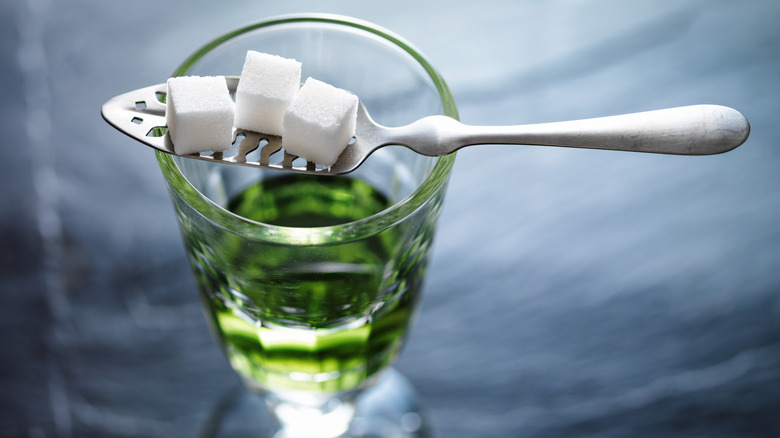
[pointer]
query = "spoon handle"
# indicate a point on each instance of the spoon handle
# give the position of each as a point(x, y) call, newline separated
point(688, 130)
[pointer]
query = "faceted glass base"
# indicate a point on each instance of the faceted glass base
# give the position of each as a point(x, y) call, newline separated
point(389, 409)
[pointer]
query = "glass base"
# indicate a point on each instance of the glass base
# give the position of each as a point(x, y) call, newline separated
point(389, 409)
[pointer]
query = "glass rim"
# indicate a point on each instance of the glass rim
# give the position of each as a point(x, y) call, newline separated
point(315, 235)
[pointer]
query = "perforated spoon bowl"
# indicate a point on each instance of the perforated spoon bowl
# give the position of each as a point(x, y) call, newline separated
point(687, 130)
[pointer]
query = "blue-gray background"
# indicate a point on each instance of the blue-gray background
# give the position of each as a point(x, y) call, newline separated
point(572, 293)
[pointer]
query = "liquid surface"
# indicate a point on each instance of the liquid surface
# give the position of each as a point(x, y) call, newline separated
point(298, 200)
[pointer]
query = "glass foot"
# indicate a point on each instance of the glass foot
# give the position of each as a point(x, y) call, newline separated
point(389, 409)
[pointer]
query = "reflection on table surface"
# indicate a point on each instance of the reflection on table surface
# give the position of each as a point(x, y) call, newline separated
point(572, 293)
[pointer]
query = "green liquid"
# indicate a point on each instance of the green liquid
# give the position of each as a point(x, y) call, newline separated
point(309, 318)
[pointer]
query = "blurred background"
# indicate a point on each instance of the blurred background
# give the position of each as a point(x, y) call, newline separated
point(572, 293)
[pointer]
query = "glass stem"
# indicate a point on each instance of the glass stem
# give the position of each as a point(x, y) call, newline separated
point(298, 420)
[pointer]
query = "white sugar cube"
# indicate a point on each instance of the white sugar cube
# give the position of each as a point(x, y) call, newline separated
point(320, 122)
point(199, 113)
point(266, 88)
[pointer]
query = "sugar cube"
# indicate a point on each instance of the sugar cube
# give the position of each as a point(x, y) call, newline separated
point(320, 122)
point(199, 113)
point(266, 88)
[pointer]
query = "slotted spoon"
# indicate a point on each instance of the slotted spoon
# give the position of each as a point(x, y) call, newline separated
point(688, 130)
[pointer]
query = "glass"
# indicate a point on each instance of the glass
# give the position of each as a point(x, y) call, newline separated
point(310, 283)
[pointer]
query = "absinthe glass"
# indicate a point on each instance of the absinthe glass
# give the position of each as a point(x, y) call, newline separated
point(311, 283)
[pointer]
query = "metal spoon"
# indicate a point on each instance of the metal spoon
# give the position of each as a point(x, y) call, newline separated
point(688, 130)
